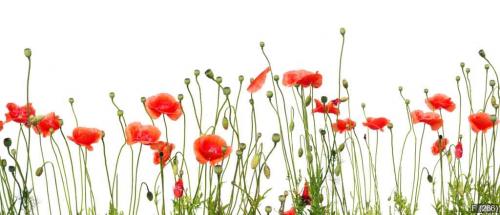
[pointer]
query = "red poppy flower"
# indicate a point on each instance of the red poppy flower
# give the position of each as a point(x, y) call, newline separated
point(163, 103)
point(376, 123)
point(480, 122)
point(343, 125)
point(440, 101)
point(429, 118)
point(327, 108)
point(48, 124)
point(162, 147)
point(258, 82)
point(178, 188)
point(145, 134)
point(290, 212)
point(306, 197)
point(86, 136)
point(1, 125)
point(302, 77)
point(19, 114)
point(439, 146)
point(459, 150)
point(211, 148)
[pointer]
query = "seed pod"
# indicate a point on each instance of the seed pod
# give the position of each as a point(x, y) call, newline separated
point(27, 52)
point(269, 94)
point(196, 72)
point(218, 169)
point(276, 138)
point(187, 81)
point(225, 123)
point(149, 195)
point(301, 152)
point(309, 157)
point(429, 178)
point(269, 209)
point(267, 171)
point(7, 142)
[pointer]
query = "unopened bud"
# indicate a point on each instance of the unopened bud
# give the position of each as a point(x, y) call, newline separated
point(426, 90)
point(291, 126)
point(482, 54)
point(39, 171)
point(149, 195)
point(467, 70)
point(3, 163)
point(276, 77)
point(337, 170)
point(262, 44)
point(345, 83)
point(143, 99)
point(309, 157)
point(276, 138)
point(363, 105)
point(268, 209)
point(7, 142)
point(71, 100)
point(300, 152)
point(429, 178)
point(242, 146)
point(12, 169)
point(344, 99)
point(324, 99)
point(492, 83)
point(27, 52)
point(269, 94)
point(308, 101)
point(407, 101)
point(225, 123)
point(462, 64)
point(209, 74)
point(341, 147)
point(457, 78)
point(400, 88)
point(487, 67)
point(282, 198)
point(180, 97)
point(255, 160)
point(267, 171)
point(218, 80)
point(112, 95)
point(119, 112)
point(241, 78)
point(390, 125)
point(342, 31)
point(226, 91)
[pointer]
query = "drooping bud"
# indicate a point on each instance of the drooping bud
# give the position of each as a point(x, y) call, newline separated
point(149, 195)
point(345, 83)
point(39, 171)
point(209, 74)
point(267, 171)
point(482, 54)
point(225, 123)
point(429, 178)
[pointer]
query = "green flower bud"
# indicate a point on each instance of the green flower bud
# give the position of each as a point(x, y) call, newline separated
point(262, 44)
point(390, 125)
point(276, 78)
point(187, 81)
point(180, 97)
point(267, 171)
point(3, 163)
point(429, 178)
point(309, 157)
point(196, 72)
point(112, 95)
point(457, 78)
point(276, 138)
point(344, 99)
point(291, 126)
point(426, 90)
point(341, 147)
point(7, 142)
point(467, 70)
point(482, 54)
point(493, 101)
point(39, 171)
point(268, 209)
point(322, 131)
point(209, 74)
point(241, 78)
point(255, 160)
point(337, 170)
point(448, 155)
point(400, 88)
point(345, 83)
point(239, 153)
point(407, 101)
point(462, 64)
point(300, 152)
point(12, 169)
point(363, 105)
point(149, 195)
point(71, 100)
point(218, 80)
point(225, 123)
point(282, 198)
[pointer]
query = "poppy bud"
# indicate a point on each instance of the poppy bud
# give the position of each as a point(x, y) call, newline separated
point(34, 120)
point(242, 146)
point(259, 135)
point(268, 209)
point(448, 155)
point(276, 138)
point(486, 66)
point(344, 99)
point(3, 163)
point(218, 169)
point(426, 90)
point(12, 169)
point(175, 167)
point(492, 83)
point(196, 72)
point(239, 153)
point(400, 88)
point(324, 99)
point(180, 97)
point(241, 78)
point(112, 95)
point(407, 101)
point(71, 100)
point(13, 152)
point(143, 99)
point(267, 171)
point(255, 160)
point(429, 178)
point(308, 101)
point(225, 123)
point(7, 142)
point(262, 44)
point(390, 125)
point(300, 152)
point(27, 52)
point(457, 78)
point(337, 170)
point(187, 81)
point(467, 70)
point(226, 91)
point(493, 101)
point(493, 118)
point(341, 147)
point(482, 54)
point(462, 64)
point(363, 105)
point(119, 112)
point(345, 83)
point(342, 31)
point(39, 171)
point(209, 74)
point(149, 195)
point(218, 80)
point(276, 78)
point(269, 94)
point(291, 126)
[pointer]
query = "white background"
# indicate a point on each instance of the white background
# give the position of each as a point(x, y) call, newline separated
point(87, 49)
